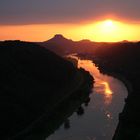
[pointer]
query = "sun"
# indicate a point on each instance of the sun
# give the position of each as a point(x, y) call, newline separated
point(105, 30)
point(108, 23)
point(108, 26)
point(109, 30)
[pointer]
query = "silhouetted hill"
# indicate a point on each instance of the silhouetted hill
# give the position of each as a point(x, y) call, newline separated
point(59, 44)
point(59, 39)
point(32, 80)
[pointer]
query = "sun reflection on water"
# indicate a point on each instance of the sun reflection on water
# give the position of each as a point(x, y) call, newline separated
point(101, 114)
point(101, 85)
point(107, 92)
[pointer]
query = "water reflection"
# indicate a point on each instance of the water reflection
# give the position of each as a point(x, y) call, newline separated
point(99, 114)
point(80, 111)
point(67, 124)
point(86, 103)
point(107, 89)
point(102, 85)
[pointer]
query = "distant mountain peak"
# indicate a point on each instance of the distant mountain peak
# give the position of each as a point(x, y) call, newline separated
point(59, 36)
point(59, 44)
point(85, 40)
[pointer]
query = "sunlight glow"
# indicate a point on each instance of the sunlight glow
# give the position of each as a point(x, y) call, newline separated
point(107, 30)
point(108, 23)
point(108, 91)
point(111, 31)
point(108, 26)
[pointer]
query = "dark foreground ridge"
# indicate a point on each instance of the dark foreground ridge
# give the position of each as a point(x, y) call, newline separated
point(36, 83)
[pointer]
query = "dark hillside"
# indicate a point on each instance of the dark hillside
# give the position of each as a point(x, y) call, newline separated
point(31, 78)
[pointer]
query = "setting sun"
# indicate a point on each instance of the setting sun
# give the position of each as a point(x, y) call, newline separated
point(108, 26)
point(107, 30)
point(108, 23)
point(110, 30)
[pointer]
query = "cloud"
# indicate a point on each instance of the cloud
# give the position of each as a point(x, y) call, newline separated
point(65, 11)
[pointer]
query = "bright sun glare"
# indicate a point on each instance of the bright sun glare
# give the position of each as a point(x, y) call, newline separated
point(108, 23)
point(108, 26)
point(108, 30)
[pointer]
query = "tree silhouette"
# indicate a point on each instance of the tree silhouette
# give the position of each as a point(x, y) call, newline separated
point(80, 111)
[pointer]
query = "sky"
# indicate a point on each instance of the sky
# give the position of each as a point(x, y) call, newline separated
point(38, 20)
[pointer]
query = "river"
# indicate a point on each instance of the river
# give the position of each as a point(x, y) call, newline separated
point(99, 118)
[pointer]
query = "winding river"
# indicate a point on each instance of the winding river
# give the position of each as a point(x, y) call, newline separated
point(99, 117)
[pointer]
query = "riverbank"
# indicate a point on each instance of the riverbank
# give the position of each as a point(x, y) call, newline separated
point(108, 98)
point(76, 94)
point(128, 119)
point(34, 81)
point(117, 76)
point(128, 127)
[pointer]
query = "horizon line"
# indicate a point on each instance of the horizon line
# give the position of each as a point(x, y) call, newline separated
point(84, 39)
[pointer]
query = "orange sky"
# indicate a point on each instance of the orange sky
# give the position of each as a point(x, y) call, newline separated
point(106, 30)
